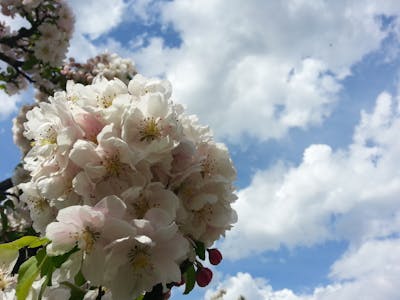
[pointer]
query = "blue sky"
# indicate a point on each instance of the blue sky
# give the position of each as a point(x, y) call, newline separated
point(306, 96)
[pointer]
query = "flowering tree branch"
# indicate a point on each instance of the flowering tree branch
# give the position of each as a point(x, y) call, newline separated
point(116, 180)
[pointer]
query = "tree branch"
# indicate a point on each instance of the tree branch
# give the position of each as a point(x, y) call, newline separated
point(5, 185)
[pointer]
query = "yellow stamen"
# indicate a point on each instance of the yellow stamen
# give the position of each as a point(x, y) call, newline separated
point(140, 258)
point(5, 279)
point(113, 165)
point(89, 237)
point(150, 130)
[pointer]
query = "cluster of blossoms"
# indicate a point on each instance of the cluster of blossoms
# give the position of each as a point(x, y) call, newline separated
point(18, 129)
point(109, 65)
point(120, 191)
point(122, 177)
point(34, 54)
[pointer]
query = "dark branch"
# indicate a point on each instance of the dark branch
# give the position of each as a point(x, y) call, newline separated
point(11, 61)
point(5, 185)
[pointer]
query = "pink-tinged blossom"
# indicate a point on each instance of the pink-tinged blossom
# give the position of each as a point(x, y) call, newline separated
point(90, 229)
point(132, 181)
point(207, 212)
point(137, 263)
point(42, 210)
point(142, 200)
point(107, 167)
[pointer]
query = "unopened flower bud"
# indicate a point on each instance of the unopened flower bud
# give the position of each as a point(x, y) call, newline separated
point(203, 276)
point(214, 256)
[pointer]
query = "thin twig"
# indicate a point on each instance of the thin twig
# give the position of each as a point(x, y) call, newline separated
point(100, 293)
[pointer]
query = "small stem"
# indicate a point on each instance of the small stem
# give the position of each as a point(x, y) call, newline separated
point(100, 294)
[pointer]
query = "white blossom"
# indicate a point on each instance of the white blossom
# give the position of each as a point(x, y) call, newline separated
point(121, 174)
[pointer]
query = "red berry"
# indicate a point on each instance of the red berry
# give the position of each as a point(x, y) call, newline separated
point(203, 276)
point(214, 256)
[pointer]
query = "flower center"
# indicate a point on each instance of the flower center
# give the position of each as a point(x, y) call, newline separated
point(106, 100)
point(204, 214)
point(89, 237)
point(39, 204)
point(113, 165)
point(149, 130)
point(141, 206)
point(208, 166)
point(140, 258)
point(47, 137)
point(140, 261)
point(5, 279)
point(73, 98)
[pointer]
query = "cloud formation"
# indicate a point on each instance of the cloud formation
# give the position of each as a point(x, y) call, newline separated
point(266, 66)
point(350, 193)
point(95, 18)
point(369, 272)
point(8, 104)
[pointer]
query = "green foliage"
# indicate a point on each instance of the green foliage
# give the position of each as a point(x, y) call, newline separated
point(76, 292)
point(25, 241)
point(40, 264)
point(190, 279)
point(28, 65)
point(200, 250)
point(27, 274)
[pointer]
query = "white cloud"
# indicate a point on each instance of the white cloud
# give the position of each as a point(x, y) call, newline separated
point(81, 48)
point(369, 272)
point(243, 284)
point(145, 10)
point(350, 194)
point(92, 20)
point(97, 17)
point(8, 104)
point(266, 66)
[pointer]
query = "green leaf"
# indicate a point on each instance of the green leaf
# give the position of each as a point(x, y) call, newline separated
point(20, 243)
point(190, 279)
point(39, 242)
point(47, 267)
point(8, 257)
point(29, 63)
point(200, 250)
point(79, 279)
point(29, 271)
point(27, 274)
point(59, 260)
point(140, 297)
point(76, 292)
